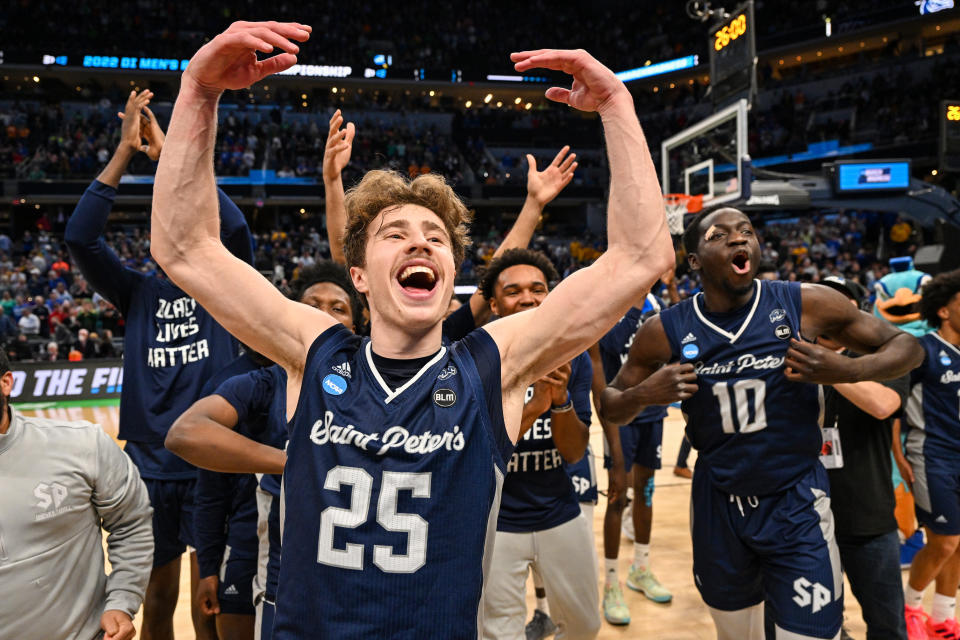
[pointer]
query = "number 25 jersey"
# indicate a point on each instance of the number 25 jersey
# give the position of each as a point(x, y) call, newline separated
point(756, 431)
point(390, 496)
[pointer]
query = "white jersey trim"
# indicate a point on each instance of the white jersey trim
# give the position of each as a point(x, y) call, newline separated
point(732, 337)
point(936, 334)
point(391, 394)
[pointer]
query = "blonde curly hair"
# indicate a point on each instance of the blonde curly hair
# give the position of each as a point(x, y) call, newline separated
point(382, 189)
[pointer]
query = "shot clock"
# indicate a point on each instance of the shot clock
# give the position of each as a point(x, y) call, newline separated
point(733, 55)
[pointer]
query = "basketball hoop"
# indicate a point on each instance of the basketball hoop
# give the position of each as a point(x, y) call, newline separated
point(677, 205)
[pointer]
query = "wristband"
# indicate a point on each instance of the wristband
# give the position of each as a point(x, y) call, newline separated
point(563, 408)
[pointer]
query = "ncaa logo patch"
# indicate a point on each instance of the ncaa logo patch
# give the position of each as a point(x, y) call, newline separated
point(334, 384)
point(444, 397)
point(690, 351)
point(945, 359)
point(777, 315)
point(782, 331)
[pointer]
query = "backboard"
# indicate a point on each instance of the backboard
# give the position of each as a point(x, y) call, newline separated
point(709, 158)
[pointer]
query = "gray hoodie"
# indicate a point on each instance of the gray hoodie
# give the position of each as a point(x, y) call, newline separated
point(60, 482)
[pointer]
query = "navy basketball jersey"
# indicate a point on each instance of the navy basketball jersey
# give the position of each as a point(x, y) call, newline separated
point(933, 407)
point(756, 431)
point(537, 493)
point(390, 495)
point(615, 346)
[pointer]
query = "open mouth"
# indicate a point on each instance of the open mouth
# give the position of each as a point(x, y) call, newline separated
point(740, 263)
point(417, 279)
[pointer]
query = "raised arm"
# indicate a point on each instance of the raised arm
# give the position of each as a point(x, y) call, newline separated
point(336, 155)
point(185, 225)
point(645, 379)
point(585, 305)
point(886, 352)
point(542, 188)
point(84, 231)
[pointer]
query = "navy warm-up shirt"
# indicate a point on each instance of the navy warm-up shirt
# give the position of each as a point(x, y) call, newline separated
point(172, 346)
point(537, 492)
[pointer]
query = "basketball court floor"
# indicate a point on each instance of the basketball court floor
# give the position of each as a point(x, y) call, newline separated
point(685, 618)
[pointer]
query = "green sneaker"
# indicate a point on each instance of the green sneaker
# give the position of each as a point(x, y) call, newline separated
point(647, 584)
point(614, 608)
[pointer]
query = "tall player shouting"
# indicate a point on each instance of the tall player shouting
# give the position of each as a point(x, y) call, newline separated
point(762, 527)
point(393, 471)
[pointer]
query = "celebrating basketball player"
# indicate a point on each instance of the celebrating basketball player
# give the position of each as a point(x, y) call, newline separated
point(735, 356)
point(540, 524)
point(933, 451)
point(392, 476)
point(171, 347)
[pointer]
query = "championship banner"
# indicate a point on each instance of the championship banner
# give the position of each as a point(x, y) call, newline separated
point(66, 381)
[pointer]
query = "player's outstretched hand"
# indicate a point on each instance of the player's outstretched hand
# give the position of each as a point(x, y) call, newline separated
point(595, 87)
point(116, 625)
point(809, 362)
point(229, 61)
point(207, 595)
point(670, 383)
point(543, 186)
point(339, 146)
point(130, 127)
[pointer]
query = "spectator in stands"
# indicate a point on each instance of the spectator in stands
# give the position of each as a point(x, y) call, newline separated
point(42, 314)
point(85, 345)
point(29, 322)
point(8, 330)
point(103, 346)
point(62, 336)
point(52, 353)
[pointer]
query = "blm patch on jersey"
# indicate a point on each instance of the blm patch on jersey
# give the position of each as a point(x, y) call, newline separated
point(444, 397)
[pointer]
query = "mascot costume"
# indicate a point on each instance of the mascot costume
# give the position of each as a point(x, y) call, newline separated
point(898, 302)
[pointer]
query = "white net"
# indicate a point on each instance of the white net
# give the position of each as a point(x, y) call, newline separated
point(676, 208)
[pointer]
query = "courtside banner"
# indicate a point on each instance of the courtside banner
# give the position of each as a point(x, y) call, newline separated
point(60, 381)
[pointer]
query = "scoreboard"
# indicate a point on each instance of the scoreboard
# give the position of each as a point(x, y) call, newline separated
point(949, 135)
point(733, 55)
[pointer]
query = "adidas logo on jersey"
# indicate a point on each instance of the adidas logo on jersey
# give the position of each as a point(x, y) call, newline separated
point(688, 338)
point(231, 591)
point(941, 520)
point(342, 369)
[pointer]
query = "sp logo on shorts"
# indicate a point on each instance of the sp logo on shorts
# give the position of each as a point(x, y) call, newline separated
point(334, 384)
point(777, 315)
point(444, 397)
point(690, 351)
point(782, 331)
point(811, 594)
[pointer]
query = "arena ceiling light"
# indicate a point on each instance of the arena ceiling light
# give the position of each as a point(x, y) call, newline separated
point(668, 66)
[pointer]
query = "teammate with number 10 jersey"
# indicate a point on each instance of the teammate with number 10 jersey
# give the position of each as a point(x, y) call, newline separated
point(735, 356)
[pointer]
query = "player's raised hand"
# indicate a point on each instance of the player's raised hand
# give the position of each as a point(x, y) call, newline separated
point(543, 186)
point(151, 132)
point(670, 383)
point(595, 87)
point(130, 127)
point(229, 61)
point(809, 362)
point(336, 155)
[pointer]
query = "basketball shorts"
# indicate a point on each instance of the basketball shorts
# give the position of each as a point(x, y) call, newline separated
point(584, 478)
point(779, 548)
point(236, 582)
point(173, 508)
point(641, 445)
point(936, 487)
